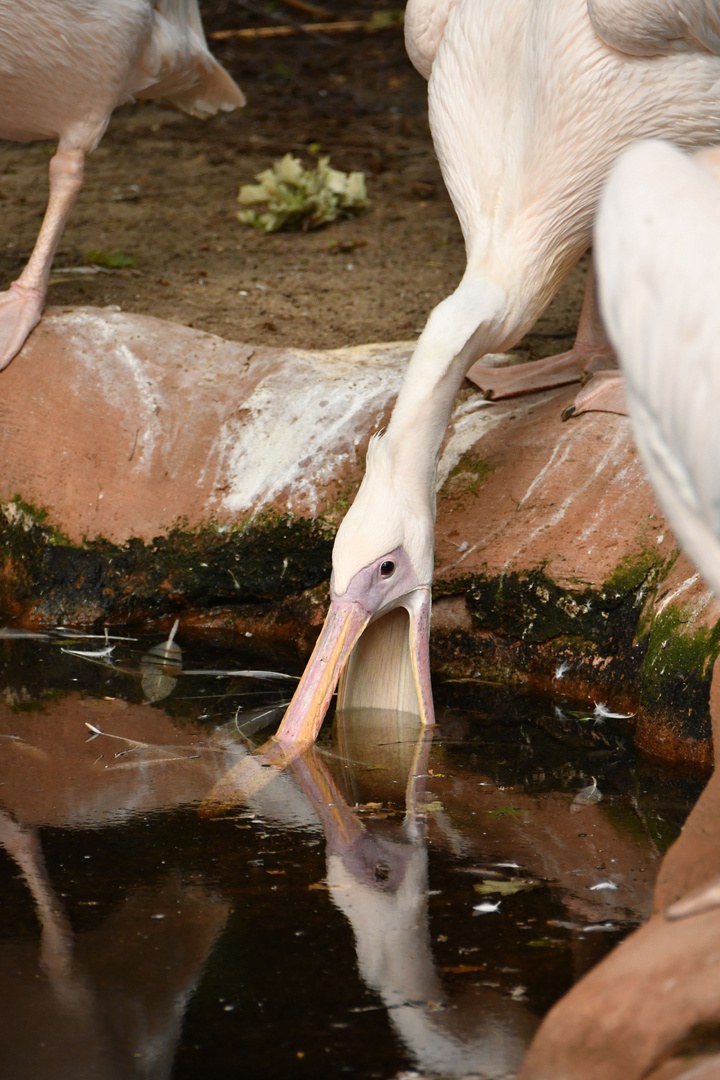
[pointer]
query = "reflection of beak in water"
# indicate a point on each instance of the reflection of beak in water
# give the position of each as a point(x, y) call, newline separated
point(651, 1009)
point(379, 881)
point(380, 667)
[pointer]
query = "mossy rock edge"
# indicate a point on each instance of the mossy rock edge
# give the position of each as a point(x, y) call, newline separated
point(586, 642)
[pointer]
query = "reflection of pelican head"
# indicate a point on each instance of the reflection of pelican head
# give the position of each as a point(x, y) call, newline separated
point(481, 1031)
point(389, 919)
point(376, 861)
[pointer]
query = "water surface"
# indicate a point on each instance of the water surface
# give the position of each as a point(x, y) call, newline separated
point(392, 904)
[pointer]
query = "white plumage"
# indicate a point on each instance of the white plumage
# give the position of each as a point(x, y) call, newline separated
point(64, 66)
point(658, 257)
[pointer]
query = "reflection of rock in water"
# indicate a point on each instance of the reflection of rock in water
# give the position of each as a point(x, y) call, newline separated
point(57, 773)
point(653, 1004)
point(107, 1004)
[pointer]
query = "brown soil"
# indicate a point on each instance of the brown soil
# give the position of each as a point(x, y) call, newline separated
point(161, 187)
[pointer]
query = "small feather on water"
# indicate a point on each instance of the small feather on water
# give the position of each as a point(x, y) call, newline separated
point(90, 653)
point(603, 713)
point(486, 907)
point(587, 796)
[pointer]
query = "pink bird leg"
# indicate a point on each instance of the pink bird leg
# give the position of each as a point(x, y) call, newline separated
point(22, 304)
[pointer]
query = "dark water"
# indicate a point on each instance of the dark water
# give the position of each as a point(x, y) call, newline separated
point(389, 905)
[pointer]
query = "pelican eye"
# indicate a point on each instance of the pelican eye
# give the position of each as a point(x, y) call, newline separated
point(387, 568)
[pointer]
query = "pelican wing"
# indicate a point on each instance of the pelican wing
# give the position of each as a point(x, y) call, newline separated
point(658, 257)
point(652, 27)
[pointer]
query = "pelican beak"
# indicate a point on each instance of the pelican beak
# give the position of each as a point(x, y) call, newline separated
point(343, 625)
point(389, 667)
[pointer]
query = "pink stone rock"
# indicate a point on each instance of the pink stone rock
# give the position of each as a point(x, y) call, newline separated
point(123, 425)
point(152, 469)
point(571, 497)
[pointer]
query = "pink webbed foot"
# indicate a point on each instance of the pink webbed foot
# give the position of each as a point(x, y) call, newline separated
point(20, 311)
point(545, 374)
point(604, 391)
point(587, 362)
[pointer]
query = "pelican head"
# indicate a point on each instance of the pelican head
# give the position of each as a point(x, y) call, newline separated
point(382, 564)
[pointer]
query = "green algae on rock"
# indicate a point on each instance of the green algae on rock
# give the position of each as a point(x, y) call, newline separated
point(680, 633)
point(44, 578)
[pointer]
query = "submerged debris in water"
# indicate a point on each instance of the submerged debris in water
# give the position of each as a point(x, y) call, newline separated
point(160, 667)
point(299, 198)
point(246, 673)
point(507, 887)
point(67, 632)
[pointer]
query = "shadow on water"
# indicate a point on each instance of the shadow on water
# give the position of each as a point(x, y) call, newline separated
point(393, 904)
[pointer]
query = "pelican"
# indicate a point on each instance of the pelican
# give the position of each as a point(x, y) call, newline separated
point(644, 30)
point(657, 251)
point(658, 255)
point(529, 107)
point(66, 64)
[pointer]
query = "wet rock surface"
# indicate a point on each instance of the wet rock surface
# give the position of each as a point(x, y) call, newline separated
point(152, 469)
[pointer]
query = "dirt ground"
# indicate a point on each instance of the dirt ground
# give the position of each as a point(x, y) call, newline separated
point(162, 188)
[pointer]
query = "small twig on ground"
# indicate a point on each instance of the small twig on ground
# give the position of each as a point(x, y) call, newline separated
point(309, 9)
point(342, 27)
point(285, 24)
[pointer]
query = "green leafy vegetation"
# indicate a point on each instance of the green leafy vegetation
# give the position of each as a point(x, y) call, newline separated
point(298, 198)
